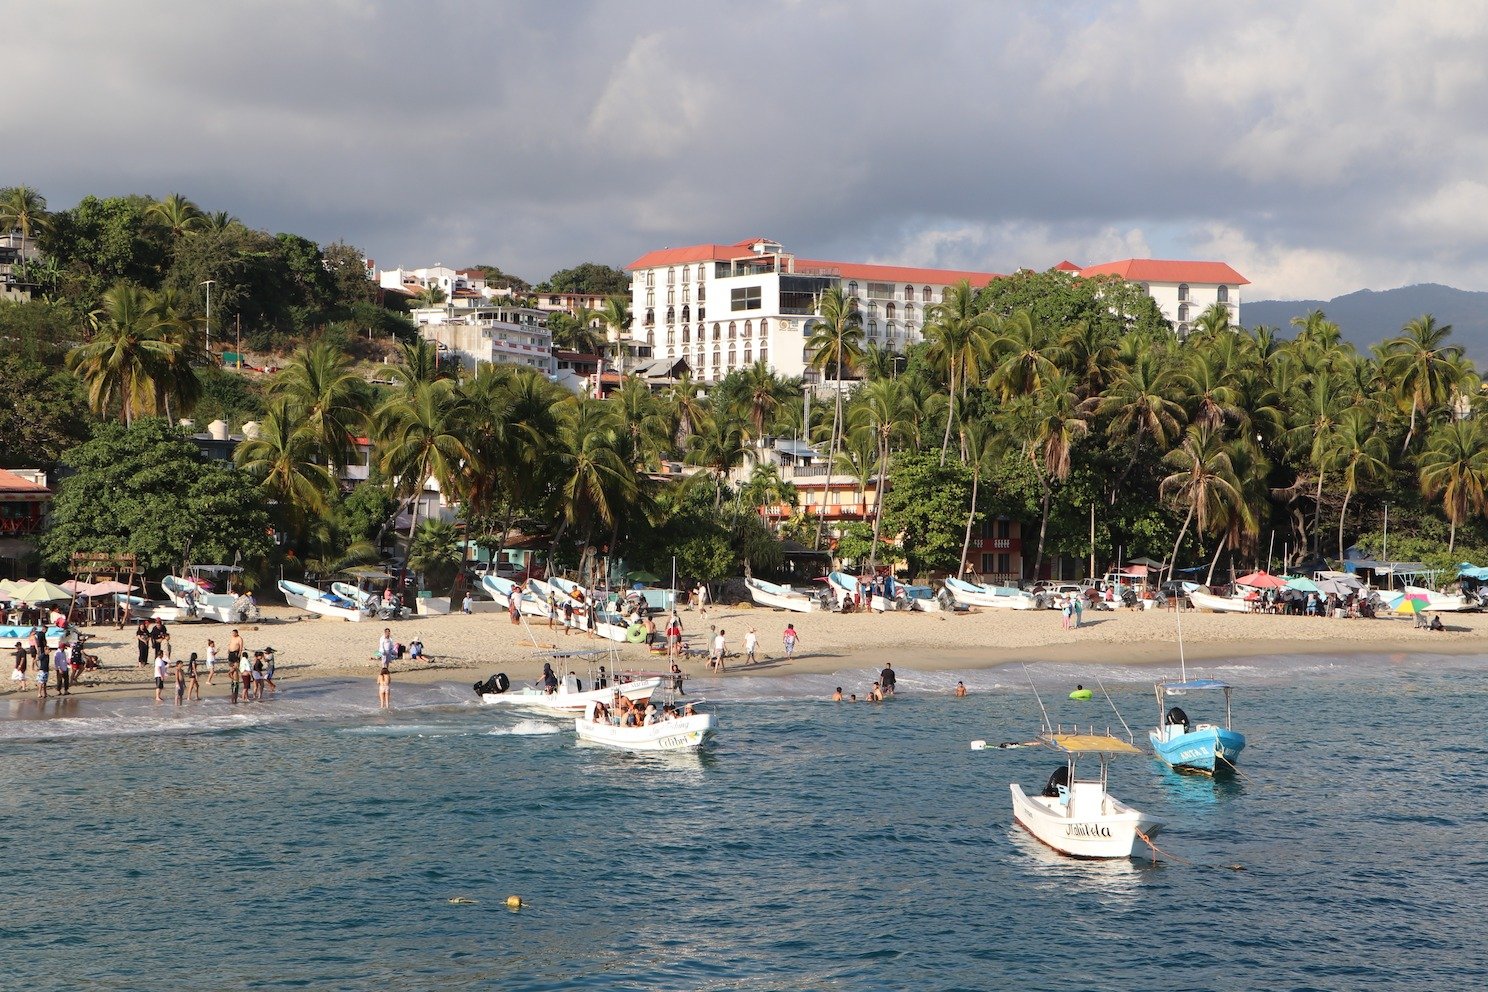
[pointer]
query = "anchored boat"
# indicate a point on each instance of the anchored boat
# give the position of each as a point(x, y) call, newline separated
point(1078, 816)
point(1204, 748)
point(681, 733)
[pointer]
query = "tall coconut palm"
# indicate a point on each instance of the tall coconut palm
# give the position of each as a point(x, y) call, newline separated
point(617, 317)
point(1214, 320)
point(1088, 351)
point(1050, 422)
point(127, 355)
point(23, 209)
point(1422, 367)
point(417, 365)
point(1315, 410)
point(1454, 466)
point(957, 332)
point(683, 398)
point(643, 423)
point(596, 484)
point(1139, 402)
point(981, 446)
point(177, 213)
point(1356, 451)
point(718, 445)
point(177, 386)
point(285, 462)
point(420, 437)
point(329, 398)
point(836, 343)
point(1024, 357)
point(428, 297)
point(881, 409)
point(766, 488)
point(765, 394)
point(1202, 478)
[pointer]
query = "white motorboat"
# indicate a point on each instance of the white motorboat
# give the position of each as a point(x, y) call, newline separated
point(990, 597)
point(846, 588)
point(1220, 604)
point(189, 596)
point(685, 733)
point(145, 609)
point(779, 597)
point(11, 636)
point(1437, 602)
point(569, 700)
point(364, 598)
point(502, 590)
point(1079, 817)
point(921, 598)
point(313, 600)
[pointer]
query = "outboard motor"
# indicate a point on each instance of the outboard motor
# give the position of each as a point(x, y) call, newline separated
point(1177, 718)
point(1059, 778)
point(495, 685)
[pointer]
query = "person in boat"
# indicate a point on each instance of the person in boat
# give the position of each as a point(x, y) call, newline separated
point(548, 681)
point(677, 678)
point(960, 689)
point(689, 711)
point(668, 712)
point(886, 679)
point(601, 713)
point(837, 696)
point(602, 681)
point(650, 715)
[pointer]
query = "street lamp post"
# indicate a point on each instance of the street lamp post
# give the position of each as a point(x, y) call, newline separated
point(208, 284)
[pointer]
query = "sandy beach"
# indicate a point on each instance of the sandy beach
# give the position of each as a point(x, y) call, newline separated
point(468, 647)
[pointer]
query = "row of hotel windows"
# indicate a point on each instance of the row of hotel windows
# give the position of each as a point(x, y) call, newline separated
point(718, 369)
point(1183, 308)
point(734, 330)
point(1221, 295)
point(876, 290)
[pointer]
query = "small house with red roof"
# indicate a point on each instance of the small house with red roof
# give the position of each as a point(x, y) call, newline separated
point(24, 499)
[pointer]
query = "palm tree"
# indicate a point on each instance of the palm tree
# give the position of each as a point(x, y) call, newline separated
point(1089, 351)
point(880, 409)
point(1203, 478)
point(327, 397)
point(177, 385)
point(23, 209)
point(718, 444)
point(1356, 450)
point(617, 317)
point(980, 445)
point(766, 488)
point(1023, 357)
point(1140, 404)
point(684, 399)
point(1422, 367)
point(177, 213)
point(644, 424)
point(428, 297)
point(878, 362)
point(1214, 319)
point(1455, 467)
point(765, 393)
point(420, 437)
point(1054, 423)
point(596, 484)
point(957, 331)
point(435, 552)
point(218, 220)
point(127, 356)
point(836, 342)
point(284, 461)
point(418, 365)
point(1316, 409)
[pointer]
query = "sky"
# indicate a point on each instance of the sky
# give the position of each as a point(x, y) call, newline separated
point(1318, 147)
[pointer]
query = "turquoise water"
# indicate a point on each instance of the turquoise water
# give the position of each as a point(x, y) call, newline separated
point(315, 843)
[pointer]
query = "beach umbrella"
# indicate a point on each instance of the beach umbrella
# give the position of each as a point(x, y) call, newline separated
point(1411, 604)
point(642, 576)
point(1261, 580)
point(41, 591)
point(1302, 584)
point(1332, 587)
point(108, 587)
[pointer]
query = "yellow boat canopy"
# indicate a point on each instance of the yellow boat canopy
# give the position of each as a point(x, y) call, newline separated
point(1089, 744)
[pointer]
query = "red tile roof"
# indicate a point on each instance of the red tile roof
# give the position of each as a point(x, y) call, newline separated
point(1067, 266)
point(1164, 270)
point(692, 253)
point(12, 483)
point(847, 270)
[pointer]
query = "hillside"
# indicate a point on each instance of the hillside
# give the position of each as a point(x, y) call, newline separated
point(1368, 317)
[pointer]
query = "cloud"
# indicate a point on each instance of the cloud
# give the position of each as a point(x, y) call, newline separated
point(1316, 147)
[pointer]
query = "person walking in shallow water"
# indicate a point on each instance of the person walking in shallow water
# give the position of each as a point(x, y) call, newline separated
point(384, 689)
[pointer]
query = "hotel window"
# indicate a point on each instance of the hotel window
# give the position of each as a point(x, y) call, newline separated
point(733, 357)
point(1005, 564)
point(1183, 291)
point(717, 356)
point(650, 297)
point(686, 335)
point(671, 335)
point(909, 292)
point(731, 330)
point(650, 280)
point(716, 331)
point(748, 328)
point(671, 277)
point(650, 317)
point(671, 296)
point(686, 313)
point(686, 293)
point(746, 298)
point(702, 312)
point(1182, 331)
point(702, 293)
point(748, 355)
point(852, 289)
point(764, 354)
point(1223, 294)
point(889, 310)
point(700, 273)
point(873, 329)
point(671, 315)
point(686, 271)
point(925, 295)
point(764, 326)
point(1182, 312)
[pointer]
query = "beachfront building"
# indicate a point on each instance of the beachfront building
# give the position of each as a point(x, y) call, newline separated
point(475, 332)
point(24, 498)
point(996, 552)
point(1182, 290)
point(725, 307)
point(14, 250)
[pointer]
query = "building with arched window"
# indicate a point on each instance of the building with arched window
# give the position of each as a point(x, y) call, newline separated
point(1182, 290)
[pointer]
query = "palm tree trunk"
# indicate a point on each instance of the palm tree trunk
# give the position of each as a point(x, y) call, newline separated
point(970, 514)
point(1347, 495)
point(1452, 537)
point(1209, 579)
point(1412, 431)
point(883, 462)
point(950, 418)
point(1317, 517)
point(821, 521)
point(1038, 560)
point(1173, 562)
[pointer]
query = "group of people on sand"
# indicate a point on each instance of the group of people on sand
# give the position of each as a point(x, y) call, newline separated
point(65, 661)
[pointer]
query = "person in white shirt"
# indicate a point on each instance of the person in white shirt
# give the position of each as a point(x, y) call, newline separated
point(162, 667)
point(387, 649)
point(751, 646)
point(719, 646)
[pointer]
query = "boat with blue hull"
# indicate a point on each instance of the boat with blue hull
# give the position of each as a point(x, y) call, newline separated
point(1189, 746)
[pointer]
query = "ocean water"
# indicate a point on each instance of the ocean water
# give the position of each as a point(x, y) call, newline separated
point(315, 843)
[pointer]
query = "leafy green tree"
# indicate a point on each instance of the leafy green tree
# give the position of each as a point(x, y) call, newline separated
point(1060, 299)
point(100, 242)
point(144, 489)
point(419, 436)
point(42, 413)
point(718, 446)
point(284, 461)
point(590, 278)
point(1454, 466)
point(40, 330)
point(435, 552)
point(926, 506)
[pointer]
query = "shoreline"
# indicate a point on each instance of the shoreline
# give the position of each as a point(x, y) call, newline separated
point(471, 647)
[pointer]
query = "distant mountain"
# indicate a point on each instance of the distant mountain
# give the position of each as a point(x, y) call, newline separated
point(1368, 317)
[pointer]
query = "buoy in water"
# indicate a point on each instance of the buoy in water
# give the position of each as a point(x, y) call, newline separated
point(514, 903)
point(1080, 693)
point(978, 745)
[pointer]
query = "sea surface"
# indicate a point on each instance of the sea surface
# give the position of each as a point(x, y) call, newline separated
point(315, 843)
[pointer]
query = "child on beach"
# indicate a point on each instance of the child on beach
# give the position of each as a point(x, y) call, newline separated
point(751, 646)
point(789, 639)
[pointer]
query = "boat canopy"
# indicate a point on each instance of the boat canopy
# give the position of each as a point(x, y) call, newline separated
point(1192, 684)
point(1089, 744)
point(1469, 571)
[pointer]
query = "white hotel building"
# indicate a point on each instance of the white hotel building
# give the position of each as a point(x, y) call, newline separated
point(724, 307)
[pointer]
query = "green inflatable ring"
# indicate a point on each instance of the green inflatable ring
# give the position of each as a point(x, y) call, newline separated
point(635, 633)
point(1081, 694)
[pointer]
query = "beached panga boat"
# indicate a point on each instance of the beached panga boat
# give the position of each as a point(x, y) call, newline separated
point(303, 597)
point(921, 598)
point(685, 733)
point(990, 597)
point(1219, 604)
point(144, 609)
point(779, 597)
point(1206, 748)
point(186, 592)
point(11, 636)
point(1078, 816)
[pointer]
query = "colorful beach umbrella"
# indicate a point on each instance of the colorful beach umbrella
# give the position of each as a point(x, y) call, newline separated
point(1302, 584)
point(1261, 580)
point(1411, 604)
point(41, 591)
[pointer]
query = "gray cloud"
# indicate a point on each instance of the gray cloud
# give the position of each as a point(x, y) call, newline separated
point(1317, 147)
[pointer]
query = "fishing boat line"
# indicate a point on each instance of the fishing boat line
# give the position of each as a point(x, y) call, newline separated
point(1114, 709)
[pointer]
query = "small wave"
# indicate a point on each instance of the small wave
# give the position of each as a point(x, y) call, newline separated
point(526, 728)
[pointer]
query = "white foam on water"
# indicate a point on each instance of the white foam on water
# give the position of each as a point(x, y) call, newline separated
point(526, 728)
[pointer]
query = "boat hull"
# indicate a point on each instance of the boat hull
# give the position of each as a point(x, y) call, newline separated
point(1218, 604)
point(11, 636)
point(312, 600)
point(686, 733)
point(778, 599)
point(1112, 832)
point(217, 607)
point(1205, 750)
point(985, 597)
point(571, 703)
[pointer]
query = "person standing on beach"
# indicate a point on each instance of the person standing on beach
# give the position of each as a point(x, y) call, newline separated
point(142, 642)
point(232, 677)
point(385, 688)
point(552, 609)
point(43, 673)
point(720, 648)
point(161, 671)
point(234, 653)
point(751, 647)
point(64, 671)
point(245, 676)
point(387, 649)
point(703, 598)
point(1064, 613)
point(193, 683)
point(270, 660)
point(180, 683)
point(211, 660)
point(789, 639)
point(19, 673)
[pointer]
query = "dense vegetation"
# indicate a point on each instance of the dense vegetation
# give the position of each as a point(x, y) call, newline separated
point(1038, 398)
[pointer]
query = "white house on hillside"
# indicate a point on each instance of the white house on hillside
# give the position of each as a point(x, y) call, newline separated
point(1183, 290)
